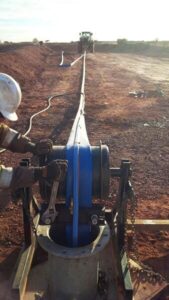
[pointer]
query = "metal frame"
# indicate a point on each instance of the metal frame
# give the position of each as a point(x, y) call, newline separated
point(148, 224)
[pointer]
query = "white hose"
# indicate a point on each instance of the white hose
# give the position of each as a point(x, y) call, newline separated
point(41, 111)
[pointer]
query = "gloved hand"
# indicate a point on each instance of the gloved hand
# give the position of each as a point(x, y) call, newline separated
point(22, 144)
point(43, 147)
point(55, 170)
point(25, 177)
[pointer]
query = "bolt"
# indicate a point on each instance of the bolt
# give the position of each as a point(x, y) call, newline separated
point(94, 219)
point(47, 221)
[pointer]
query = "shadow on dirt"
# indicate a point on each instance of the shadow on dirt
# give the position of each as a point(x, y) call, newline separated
point(9, 263)
point(160, 265)
point(66, 122)
point(69, 114)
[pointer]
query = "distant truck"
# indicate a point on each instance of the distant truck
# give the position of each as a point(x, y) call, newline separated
point(86, 42)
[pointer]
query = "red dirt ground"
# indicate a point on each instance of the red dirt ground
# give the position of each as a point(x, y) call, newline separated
point(133, 128)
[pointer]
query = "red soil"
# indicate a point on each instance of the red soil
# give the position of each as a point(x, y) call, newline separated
point(133, 128)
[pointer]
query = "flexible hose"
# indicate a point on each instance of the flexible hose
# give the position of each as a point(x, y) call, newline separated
point(69, 64)
point(43, 110)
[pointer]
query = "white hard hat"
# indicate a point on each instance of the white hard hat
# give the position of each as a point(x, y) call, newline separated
point(10, 97)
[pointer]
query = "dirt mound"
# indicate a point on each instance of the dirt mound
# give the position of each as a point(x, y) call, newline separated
point(26, 63)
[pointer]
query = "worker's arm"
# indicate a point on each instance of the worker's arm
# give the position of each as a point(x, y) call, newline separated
point(14, 178)
point(12, 140)
point(5, 177)
point(19, 177)
point(7, 135)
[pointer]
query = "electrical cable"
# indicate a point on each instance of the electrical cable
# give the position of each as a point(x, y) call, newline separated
point(43, 110)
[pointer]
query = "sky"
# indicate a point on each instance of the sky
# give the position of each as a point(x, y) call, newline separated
point(62, 20)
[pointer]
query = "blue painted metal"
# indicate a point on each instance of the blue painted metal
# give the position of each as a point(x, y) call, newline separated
point(76, 168)
point(65, 65)
point(79, 156)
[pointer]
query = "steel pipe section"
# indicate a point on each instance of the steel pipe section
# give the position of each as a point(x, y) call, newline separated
point(73, 272)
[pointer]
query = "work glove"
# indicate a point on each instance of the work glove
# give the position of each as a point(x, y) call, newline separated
point(22, 144)
point(27, 176)
point(42, 147)
point(55, 170)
